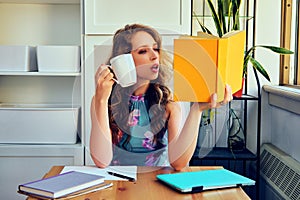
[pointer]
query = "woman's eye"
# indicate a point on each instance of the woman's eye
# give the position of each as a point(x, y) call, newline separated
point(156, 49)
point(142, 51)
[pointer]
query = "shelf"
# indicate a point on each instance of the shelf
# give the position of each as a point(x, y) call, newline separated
point(49, 151)
point(38, 146)
point(42, 1)
point(40, 73)
point(54, 106)
point(210, 17)
point(246, 97)
point(223, 153)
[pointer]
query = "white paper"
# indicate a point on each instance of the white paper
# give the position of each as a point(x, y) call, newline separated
point(129, 171)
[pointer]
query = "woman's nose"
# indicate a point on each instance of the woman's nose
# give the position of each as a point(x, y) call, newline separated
point(154, 54)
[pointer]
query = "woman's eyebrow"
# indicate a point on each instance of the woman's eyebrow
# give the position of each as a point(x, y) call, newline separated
point(145, 46)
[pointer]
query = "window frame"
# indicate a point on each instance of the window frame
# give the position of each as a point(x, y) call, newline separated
point(285, 41)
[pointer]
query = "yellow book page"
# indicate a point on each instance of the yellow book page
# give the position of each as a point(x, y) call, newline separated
point(204, 64)
point(206, 35)
point(194, 69)
point(230, 61)
point(221, 49)
point(222, 68)
point(235, 60)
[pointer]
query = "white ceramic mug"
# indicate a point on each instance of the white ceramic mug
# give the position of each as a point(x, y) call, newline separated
point(124, 69)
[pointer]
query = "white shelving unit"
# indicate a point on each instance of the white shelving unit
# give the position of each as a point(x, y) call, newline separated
point(67, 22)
point(33, 23)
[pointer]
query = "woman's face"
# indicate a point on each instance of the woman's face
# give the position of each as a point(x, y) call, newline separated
point(145, 54)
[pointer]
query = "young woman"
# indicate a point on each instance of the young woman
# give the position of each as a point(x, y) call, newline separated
point(140, 124)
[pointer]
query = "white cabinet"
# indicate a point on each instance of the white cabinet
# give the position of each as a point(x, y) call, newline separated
point(38, 23)
point(168, 16)
point(62, 22)
point(21, 164)
point(33, 23)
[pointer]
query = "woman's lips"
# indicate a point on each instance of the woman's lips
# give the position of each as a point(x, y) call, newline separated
point(155, 68)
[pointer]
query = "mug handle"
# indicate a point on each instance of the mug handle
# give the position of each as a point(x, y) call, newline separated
point(109, 66)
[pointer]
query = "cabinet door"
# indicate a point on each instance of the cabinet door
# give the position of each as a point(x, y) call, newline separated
point(23, 163)
point(169, 16)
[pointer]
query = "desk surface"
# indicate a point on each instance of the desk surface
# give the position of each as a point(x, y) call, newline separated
point(147, 187)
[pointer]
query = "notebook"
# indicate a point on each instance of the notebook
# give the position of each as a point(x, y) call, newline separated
point(197, 181)
point(61, 185)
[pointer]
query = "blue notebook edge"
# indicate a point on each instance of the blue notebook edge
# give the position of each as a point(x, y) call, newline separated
point(186, 182)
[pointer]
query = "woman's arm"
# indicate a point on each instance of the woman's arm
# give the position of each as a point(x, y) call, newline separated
point(100, 138)
point(182, 143)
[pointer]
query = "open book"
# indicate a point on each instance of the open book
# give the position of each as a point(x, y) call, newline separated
point(203, 64)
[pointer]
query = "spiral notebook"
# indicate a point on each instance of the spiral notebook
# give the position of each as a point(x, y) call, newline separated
point(198, 181)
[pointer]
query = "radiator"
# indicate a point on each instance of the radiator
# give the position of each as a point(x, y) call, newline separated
point(280, 171)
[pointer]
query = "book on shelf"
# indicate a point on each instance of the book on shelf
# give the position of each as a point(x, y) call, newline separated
point(203, 64)
point(60, 185)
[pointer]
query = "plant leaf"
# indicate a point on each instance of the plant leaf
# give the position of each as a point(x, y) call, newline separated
point(245, 66)
point(236, 14)
point(221, 15)
point(247, 56)
point(215, 17)
point(203, 27)
point(259, 68)
point(249, 52)
point(229, 15)
point(279, 50)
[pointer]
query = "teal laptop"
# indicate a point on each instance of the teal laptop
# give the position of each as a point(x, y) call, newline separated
point(197, 181)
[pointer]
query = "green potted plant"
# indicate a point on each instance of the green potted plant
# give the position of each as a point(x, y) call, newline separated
point(226, 18)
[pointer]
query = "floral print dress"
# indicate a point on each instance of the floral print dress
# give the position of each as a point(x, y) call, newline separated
point(139, 147)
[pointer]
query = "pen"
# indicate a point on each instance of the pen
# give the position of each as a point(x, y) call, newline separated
point(121, 176)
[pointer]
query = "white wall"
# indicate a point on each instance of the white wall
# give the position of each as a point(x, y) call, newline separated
point(268, 33)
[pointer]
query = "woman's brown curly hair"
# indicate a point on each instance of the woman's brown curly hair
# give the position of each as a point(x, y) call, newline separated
point(158, 94)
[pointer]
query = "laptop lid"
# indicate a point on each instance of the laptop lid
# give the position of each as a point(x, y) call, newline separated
point(197, 181)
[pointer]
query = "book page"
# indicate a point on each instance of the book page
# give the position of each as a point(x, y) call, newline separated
point(130, 171)
point(206, 35)
point(231, 33)
point(195, 69)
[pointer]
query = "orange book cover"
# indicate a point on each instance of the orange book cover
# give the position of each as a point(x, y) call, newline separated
point(203, 64)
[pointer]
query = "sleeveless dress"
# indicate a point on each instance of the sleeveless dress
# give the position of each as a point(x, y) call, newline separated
point(139, 147)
